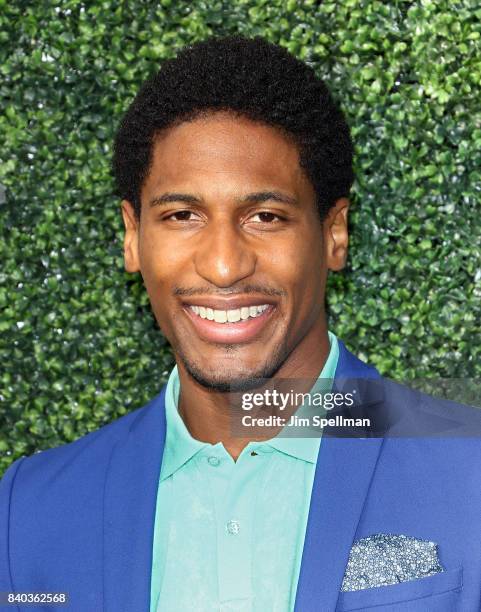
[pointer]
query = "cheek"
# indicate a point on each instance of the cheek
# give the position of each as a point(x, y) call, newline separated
point(297, 264)
point(160, 262)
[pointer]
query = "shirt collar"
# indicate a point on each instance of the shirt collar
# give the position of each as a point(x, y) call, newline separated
point(180, 446)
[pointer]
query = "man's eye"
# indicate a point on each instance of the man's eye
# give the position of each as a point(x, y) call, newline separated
point(265, 217)
point(182, 215)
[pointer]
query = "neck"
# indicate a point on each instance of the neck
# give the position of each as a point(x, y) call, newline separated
point(207, 414)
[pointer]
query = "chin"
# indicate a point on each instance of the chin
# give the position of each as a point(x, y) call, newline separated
point(226, 385)
point(231, 379)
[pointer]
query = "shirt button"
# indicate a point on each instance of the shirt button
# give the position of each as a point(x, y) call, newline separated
point(214, 461)
point(233, 527)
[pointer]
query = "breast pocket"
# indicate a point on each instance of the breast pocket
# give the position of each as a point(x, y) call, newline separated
point(440, 592)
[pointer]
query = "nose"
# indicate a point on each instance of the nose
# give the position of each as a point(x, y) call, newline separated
point(224, 256)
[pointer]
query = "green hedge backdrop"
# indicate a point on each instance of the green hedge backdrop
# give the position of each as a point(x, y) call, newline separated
point(78, 343)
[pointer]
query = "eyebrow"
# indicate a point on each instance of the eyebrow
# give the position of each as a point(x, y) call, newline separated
point(251, 198)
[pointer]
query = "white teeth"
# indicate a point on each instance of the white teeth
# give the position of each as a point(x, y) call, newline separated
point(220, 316)
point(231, 316)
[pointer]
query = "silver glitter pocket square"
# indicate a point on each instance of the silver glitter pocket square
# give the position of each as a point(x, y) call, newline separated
point(383, 559)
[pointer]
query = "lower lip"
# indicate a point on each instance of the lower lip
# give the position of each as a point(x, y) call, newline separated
point(229, 333)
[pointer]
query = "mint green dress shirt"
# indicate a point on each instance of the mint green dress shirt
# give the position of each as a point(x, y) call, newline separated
point(228, 534)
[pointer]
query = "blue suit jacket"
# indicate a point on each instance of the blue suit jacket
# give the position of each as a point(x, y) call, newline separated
point(79, 518)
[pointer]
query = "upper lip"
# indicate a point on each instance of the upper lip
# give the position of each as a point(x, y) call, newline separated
point(227, 303)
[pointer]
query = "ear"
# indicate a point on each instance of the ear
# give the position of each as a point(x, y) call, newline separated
point(336, 238)
point(131, 251)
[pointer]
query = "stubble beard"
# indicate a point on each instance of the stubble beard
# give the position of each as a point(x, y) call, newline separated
point(234, 382)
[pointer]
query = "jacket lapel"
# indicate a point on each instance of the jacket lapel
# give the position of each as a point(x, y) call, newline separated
point(343, 474)
point(129, 510)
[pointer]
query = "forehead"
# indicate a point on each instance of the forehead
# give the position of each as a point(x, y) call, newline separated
point(225, 150)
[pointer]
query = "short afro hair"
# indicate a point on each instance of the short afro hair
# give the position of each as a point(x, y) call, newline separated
point(249, 77)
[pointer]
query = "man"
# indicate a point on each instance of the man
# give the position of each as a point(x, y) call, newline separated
point(234, 166)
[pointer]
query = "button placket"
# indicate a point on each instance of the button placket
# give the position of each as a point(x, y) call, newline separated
point(235, 526)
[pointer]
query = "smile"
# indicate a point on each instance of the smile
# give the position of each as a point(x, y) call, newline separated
point(231, 325)
point(229, 316)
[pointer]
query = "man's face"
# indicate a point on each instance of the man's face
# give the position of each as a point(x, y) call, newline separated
point(230, 247)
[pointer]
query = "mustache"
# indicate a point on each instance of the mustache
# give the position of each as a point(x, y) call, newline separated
point(190, 291)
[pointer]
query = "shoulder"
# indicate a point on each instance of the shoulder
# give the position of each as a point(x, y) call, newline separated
point(419, 429)
point(415, 413)
point(401, 410)
point(78, 461)
point(431, 440)
point(56, 498)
